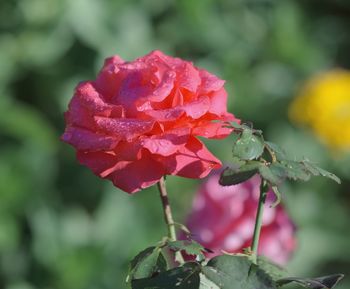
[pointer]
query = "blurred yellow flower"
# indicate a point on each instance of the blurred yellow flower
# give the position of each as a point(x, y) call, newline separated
point(324, 105)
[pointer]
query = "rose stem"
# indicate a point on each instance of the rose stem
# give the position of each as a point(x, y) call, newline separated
point(258, 221)
point(168, 217)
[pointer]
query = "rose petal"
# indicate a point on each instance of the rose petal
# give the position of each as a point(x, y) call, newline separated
point(98, 162)
point(90, 98)
point(133, 88)
point(167, 143)
point(147, 111)
point(165, 114)
point(124, 128)
point(191, 161)
point(157, 56)
point(209, 82)
point(107, 81)
point(128, 151)
point(194, 109)
point(78, 115)
point(212, 130)
point(113, 61)
point(218, 102)
point(105, 163)
point(178, 98)
point(164, 88)
point(87, 140)
point(197, 108)
point(188, 77)
point(158, 95)
point(137, 175)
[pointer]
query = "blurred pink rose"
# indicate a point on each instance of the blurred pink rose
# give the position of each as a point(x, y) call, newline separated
point(223, 218)
point(140, 120)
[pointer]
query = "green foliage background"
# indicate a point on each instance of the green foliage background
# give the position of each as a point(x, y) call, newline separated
point(61, 227)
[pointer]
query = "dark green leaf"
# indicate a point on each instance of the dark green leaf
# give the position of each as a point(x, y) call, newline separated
point(248, 146)
point(147, 263)
point(191, 247)
point(184, 277)
point(234, 176)
point(230, 177)
point(325, 282)
point(275, 271)
point(317, 171)
point(236, 272)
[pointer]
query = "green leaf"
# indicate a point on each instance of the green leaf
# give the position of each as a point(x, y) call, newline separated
point(236, 272)
point(184, 277)
point(191, 247)
point(325, 282)
point(235, 137)
point(205, 283)
point(317, 171)
point(245, 126)
point(248, 146)
point(231, 177)
point(234, 176)
point(274, 177)
point(237, 162)
point(275, 271)
point(278, 171)
point(238, 126)
point(291, 170)
point(279, 152)
point(294, 170)
point(147, 263)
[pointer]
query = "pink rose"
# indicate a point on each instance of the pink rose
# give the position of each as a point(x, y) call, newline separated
point(139, 120)
point(223, 219)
